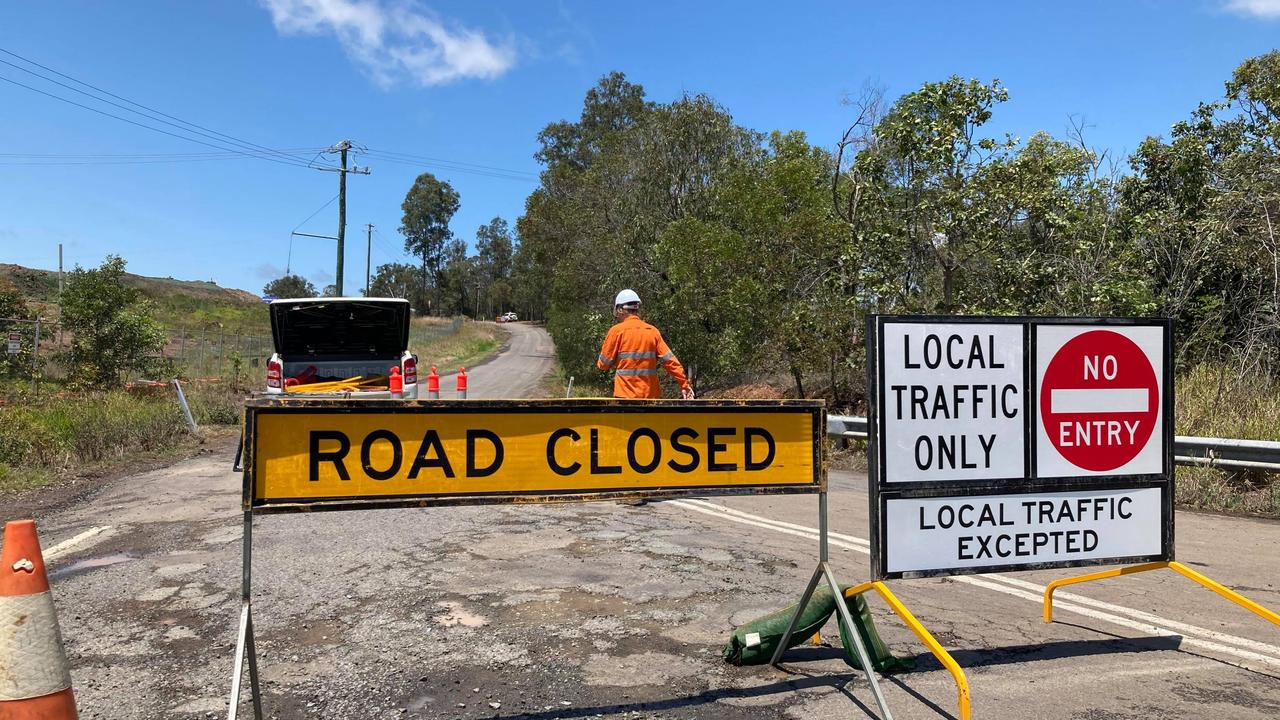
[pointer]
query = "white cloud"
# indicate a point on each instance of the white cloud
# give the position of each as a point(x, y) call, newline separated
point(1269, 9)
point(394, 42)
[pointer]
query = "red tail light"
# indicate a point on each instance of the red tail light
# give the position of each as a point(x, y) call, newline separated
point(410, 370)
point(274, 370)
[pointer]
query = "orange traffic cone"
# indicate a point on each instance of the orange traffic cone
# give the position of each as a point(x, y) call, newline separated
point(36, 682)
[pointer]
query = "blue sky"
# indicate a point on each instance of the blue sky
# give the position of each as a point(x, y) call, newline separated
point(474, 82)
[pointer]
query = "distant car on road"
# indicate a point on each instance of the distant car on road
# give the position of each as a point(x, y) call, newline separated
point(508, 317)
point(324, 340)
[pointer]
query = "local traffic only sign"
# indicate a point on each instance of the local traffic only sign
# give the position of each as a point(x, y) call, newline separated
point(1005, 443)
point(339, 454)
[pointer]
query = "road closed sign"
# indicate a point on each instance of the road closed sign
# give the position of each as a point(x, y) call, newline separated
point(1005, 442)
point(350, 453)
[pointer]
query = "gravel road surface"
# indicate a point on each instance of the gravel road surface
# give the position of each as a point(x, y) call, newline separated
point(582, 611)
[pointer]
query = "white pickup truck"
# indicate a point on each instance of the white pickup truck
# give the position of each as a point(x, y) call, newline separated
point(325, 340)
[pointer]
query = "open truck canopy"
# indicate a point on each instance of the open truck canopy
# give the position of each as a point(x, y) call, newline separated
point(340, 327)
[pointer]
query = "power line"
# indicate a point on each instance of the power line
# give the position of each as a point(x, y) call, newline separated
point(445, 161)
point(231, 138)
point(502, 175)
point(142, 125)
point(296, 152)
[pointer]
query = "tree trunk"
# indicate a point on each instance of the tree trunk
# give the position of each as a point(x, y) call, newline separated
point(799, 380)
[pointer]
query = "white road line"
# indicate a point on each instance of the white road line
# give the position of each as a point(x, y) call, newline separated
point(864, 546)
point(1136, 619)
point(67, 545)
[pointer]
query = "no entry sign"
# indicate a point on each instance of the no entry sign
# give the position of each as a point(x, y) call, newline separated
point(1018, 442)
point(1099, 396)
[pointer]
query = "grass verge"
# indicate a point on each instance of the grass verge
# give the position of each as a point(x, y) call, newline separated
point(69, 435)
point(1215, 401)
point(556, 383)
point(434, 343)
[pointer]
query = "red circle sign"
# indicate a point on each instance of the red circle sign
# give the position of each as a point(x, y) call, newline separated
point(1099, 400)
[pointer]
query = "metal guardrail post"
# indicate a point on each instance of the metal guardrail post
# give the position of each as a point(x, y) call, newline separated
point(1187, 449)
point(186, 410)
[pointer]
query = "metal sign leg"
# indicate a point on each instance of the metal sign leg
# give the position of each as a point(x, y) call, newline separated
point(824, 570)
point(244, 639)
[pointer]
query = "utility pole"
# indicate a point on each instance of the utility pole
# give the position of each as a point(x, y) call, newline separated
point(368, 255)
point(59, 295)
point(342, 171)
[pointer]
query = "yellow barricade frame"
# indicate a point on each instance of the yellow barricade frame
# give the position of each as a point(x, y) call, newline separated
point(245, 650)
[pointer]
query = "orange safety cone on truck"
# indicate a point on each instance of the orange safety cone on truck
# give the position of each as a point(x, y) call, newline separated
point(462, 383)
point(35, 682)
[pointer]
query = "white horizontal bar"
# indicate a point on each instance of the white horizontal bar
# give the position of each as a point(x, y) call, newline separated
point(1098, 400)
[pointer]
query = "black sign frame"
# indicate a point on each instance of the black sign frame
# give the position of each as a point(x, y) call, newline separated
point(880, 491)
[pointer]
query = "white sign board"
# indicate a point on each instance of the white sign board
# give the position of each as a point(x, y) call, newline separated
point(15, 343)
point(977, 425)
point(1023, 529)
point(954, 404)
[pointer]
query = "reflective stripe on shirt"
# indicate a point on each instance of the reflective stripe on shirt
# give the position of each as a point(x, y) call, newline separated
point(667, 356)
point(637, 355)
point(606, 360)
point(638, 371)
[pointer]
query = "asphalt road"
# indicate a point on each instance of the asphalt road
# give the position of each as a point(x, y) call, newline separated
point(593, 610)
point(516, 372)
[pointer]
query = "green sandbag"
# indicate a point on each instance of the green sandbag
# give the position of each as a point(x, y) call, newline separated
point(772, 626)
point(881, 658)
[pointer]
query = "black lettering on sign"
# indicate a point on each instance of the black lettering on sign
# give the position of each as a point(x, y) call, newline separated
point(751, 463)
point(596, 467)
point(431, 442)
point(656, 457)
point(714, 449)
point(317, 456)
point(680, 447)
point(498, 453)
point(366, 449)
point(552, 463)
point(906, 353)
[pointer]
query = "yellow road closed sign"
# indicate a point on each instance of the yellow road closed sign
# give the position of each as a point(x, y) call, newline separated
point(360, 453)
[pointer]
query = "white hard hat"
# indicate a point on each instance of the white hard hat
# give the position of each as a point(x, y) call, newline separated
point(626, 297)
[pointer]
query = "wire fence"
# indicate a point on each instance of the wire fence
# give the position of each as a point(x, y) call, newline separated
point(35, 350)
point(208, 352)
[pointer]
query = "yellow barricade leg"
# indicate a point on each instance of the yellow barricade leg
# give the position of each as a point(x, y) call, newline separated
point(1048, 589)
point(1178, 567)
point(939, 652)
point(1226, 592)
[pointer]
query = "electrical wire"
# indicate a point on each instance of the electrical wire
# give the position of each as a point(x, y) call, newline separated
point(235, 141)
point(288, 263)
point(502, 175)
point(142, 125)
point(444, 161)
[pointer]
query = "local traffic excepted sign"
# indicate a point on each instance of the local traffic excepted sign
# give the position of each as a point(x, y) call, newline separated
point(15, 343)
point(1099, 395)
point(947, 533)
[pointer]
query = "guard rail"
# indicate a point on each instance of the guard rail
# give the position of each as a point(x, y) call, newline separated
point(1187, 450)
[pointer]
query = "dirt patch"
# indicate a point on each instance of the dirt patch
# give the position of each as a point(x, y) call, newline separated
point(756, 391)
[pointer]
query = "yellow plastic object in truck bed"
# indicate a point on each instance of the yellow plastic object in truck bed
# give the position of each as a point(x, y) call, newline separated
point(354, 384)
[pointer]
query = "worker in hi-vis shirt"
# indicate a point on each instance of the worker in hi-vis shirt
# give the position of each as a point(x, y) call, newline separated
point(633, 349)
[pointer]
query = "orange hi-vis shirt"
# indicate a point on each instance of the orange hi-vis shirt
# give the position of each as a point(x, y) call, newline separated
point(634, 348)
